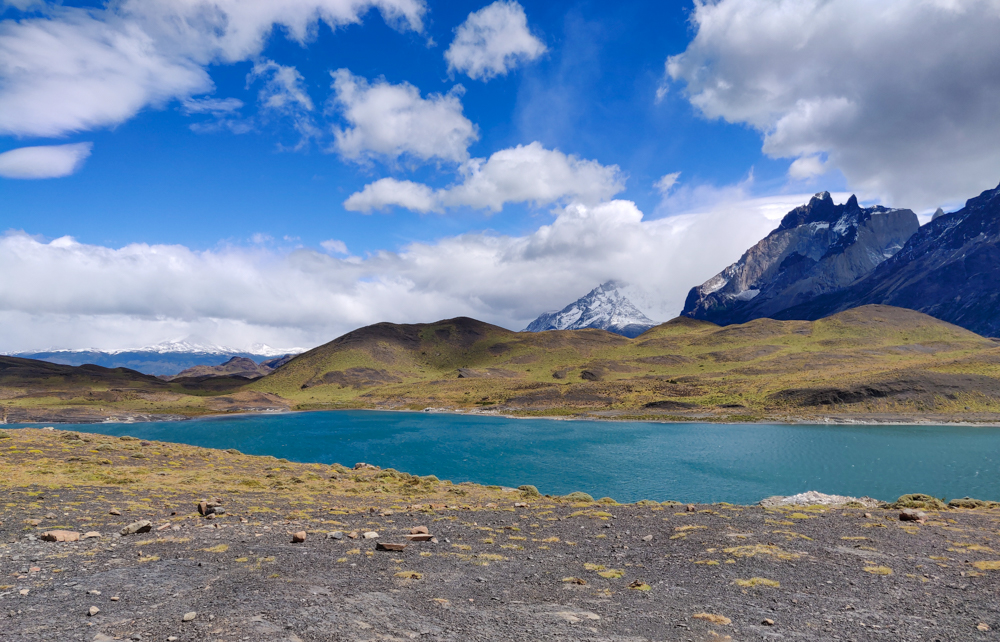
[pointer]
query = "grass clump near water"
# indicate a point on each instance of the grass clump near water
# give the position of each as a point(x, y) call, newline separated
point(920, 501)
point(528, 491)
point(577, 496)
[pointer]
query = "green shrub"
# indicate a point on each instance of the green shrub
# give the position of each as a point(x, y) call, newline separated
point(919, 500)
point(529, 491)
point(577, 496)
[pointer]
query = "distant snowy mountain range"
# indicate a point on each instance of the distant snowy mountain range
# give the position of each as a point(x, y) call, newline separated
point(166, 358)
point(606, 307)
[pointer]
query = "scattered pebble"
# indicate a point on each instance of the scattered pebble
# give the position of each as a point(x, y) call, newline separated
point(370, 535)
point(189, 616)
point(92, 611)
point(299, 537)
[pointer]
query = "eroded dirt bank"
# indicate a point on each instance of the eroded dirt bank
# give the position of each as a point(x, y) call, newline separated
point(505, 566)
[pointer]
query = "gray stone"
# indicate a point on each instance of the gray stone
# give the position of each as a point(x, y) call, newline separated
point(142, 526)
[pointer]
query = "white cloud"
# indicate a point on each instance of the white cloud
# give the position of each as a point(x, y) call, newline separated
point(523, 174)
point(284, 95)
point(806, 167)
point(900, 95)
point(390, 121)
point(492, 41)
point(68, 294)
point(211, 105)
point(666, 182)
point(388, 192)
point(76, 69)
point(333, 246)
point(50, 161)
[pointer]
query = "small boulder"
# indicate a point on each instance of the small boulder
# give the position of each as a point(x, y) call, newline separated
point(370, 535)
point(60, 536)
point(299, 537)
point(768, 622)
point(92, 611)
point(353, 534)
point(420, 537)
point(389, 546)
point(690, 508)
point(142, 526)
point(647, 538)
point(912, 515)
point(114, 511)
point(189, 616)
point(33, 522)
point(419, 529)
point(335, 535)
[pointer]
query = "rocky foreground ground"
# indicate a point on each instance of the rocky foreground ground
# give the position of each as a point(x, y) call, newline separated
point(503, 564)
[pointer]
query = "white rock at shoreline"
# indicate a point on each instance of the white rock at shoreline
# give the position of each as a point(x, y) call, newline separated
point(814, 498)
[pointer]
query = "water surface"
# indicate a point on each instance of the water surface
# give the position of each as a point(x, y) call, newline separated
point(628, 461)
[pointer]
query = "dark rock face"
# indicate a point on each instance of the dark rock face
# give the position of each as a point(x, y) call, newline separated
point(949, 269)
point(818, 248)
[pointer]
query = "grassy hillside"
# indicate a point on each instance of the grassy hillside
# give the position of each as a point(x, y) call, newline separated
point(871, 359)
point(874, 361)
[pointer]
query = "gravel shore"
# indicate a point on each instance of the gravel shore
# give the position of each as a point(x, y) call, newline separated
point(502, 566)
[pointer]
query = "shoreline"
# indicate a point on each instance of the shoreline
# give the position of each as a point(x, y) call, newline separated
point(823, 420)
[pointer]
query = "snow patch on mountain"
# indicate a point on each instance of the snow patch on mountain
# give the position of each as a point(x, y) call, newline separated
point(606, 307)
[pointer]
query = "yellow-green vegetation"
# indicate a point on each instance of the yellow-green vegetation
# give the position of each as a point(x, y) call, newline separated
point(316, 491)
point(877, 570)
point(757, 581)
point(870, 360)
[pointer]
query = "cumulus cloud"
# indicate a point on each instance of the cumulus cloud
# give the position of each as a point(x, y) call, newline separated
point(492, 41)
point(390, 121)
point(523, 174)
point(899, 95)
point(48, 161)
point(77, 69)
point(142, 294)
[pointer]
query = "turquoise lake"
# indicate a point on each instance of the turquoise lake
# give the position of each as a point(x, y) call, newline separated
point(624, 460)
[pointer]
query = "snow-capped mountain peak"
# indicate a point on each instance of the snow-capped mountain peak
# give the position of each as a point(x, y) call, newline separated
point(605, 308)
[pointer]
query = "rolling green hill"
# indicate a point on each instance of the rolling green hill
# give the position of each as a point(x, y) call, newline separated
point(874, 362)
point(870, 359)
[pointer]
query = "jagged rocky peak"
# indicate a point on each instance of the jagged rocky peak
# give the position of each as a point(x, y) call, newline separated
point(817, 248)
point(949, 269)
point(605, 307)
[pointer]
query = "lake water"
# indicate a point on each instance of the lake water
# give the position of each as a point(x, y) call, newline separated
point(625, 460)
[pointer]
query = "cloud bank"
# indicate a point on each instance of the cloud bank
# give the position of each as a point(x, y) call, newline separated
point(63, 293)
point(46, 161)
point(492, 41)
point(898, 95)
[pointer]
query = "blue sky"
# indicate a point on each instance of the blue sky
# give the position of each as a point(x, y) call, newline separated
point(152, 179)
point(222, 157)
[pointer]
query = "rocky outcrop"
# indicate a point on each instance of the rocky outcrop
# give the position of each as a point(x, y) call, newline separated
point(949, 269)
point(605, 308)
point(818, 248)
